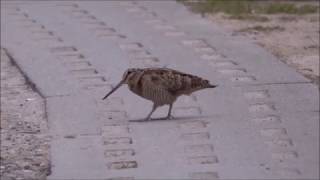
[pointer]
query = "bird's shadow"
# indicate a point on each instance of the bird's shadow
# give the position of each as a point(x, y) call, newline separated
point(168, 120)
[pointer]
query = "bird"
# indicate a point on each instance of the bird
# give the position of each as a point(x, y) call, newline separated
point(162, 86)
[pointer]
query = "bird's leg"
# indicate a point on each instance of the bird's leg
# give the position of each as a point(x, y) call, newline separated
point(154, 107)
point(169, 112)
point(169, 116)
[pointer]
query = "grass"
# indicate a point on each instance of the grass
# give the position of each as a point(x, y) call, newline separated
point(227, 6)
point(250, 17)
point(287, 8)
point(242, 9)
point(265, 29)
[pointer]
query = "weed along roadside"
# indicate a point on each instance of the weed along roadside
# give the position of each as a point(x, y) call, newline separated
point(288, 29)
point(245, 7)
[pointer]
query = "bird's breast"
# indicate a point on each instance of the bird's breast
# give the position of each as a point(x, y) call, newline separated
point(154, 94)
point(135, 89)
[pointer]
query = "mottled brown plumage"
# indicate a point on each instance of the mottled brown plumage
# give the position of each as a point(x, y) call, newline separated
point(162, 86)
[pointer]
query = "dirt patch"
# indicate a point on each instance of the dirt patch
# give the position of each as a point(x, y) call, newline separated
point(289, 30)
point(24, 139)
point(294, 39)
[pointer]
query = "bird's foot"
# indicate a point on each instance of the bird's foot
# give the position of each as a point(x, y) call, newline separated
point(170, 117)
point(165, 118)
point(152, 119)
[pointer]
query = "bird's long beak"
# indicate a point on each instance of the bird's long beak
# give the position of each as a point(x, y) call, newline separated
point(115, 88)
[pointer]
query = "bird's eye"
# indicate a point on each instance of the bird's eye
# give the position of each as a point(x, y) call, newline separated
point(127, 73)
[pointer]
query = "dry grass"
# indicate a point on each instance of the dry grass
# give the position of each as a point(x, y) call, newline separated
point(265, 29)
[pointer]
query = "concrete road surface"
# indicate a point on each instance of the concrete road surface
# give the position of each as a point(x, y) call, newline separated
point(262, 122)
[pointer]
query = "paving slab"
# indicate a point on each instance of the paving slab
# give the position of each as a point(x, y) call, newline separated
point(262, 122)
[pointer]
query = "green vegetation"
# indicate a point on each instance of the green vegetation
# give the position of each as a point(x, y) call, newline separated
point(245, 8)
point(265, 29)
point(287, 8)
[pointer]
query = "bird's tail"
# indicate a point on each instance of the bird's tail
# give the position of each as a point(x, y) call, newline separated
point(206, 84)
point(197, 83)
point(212, 86)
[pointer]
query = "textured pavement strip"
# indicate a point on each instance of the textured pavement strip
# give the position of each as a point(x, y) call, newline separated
point(261, 123)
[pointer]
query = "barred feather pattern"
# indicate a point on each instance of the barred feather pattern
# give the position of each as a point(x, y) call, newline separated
point(158, 96)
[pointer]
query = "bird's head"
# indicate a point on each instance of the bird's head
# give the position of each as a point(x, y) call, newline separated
point(125, 79)
point(128, 74)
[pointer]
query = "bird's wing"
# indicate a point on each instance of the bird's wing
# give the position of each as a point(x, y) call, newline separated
point(173, 81)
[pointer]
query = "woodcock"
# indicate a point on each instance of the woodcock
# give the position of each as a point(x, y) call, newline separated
point(162, 86)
